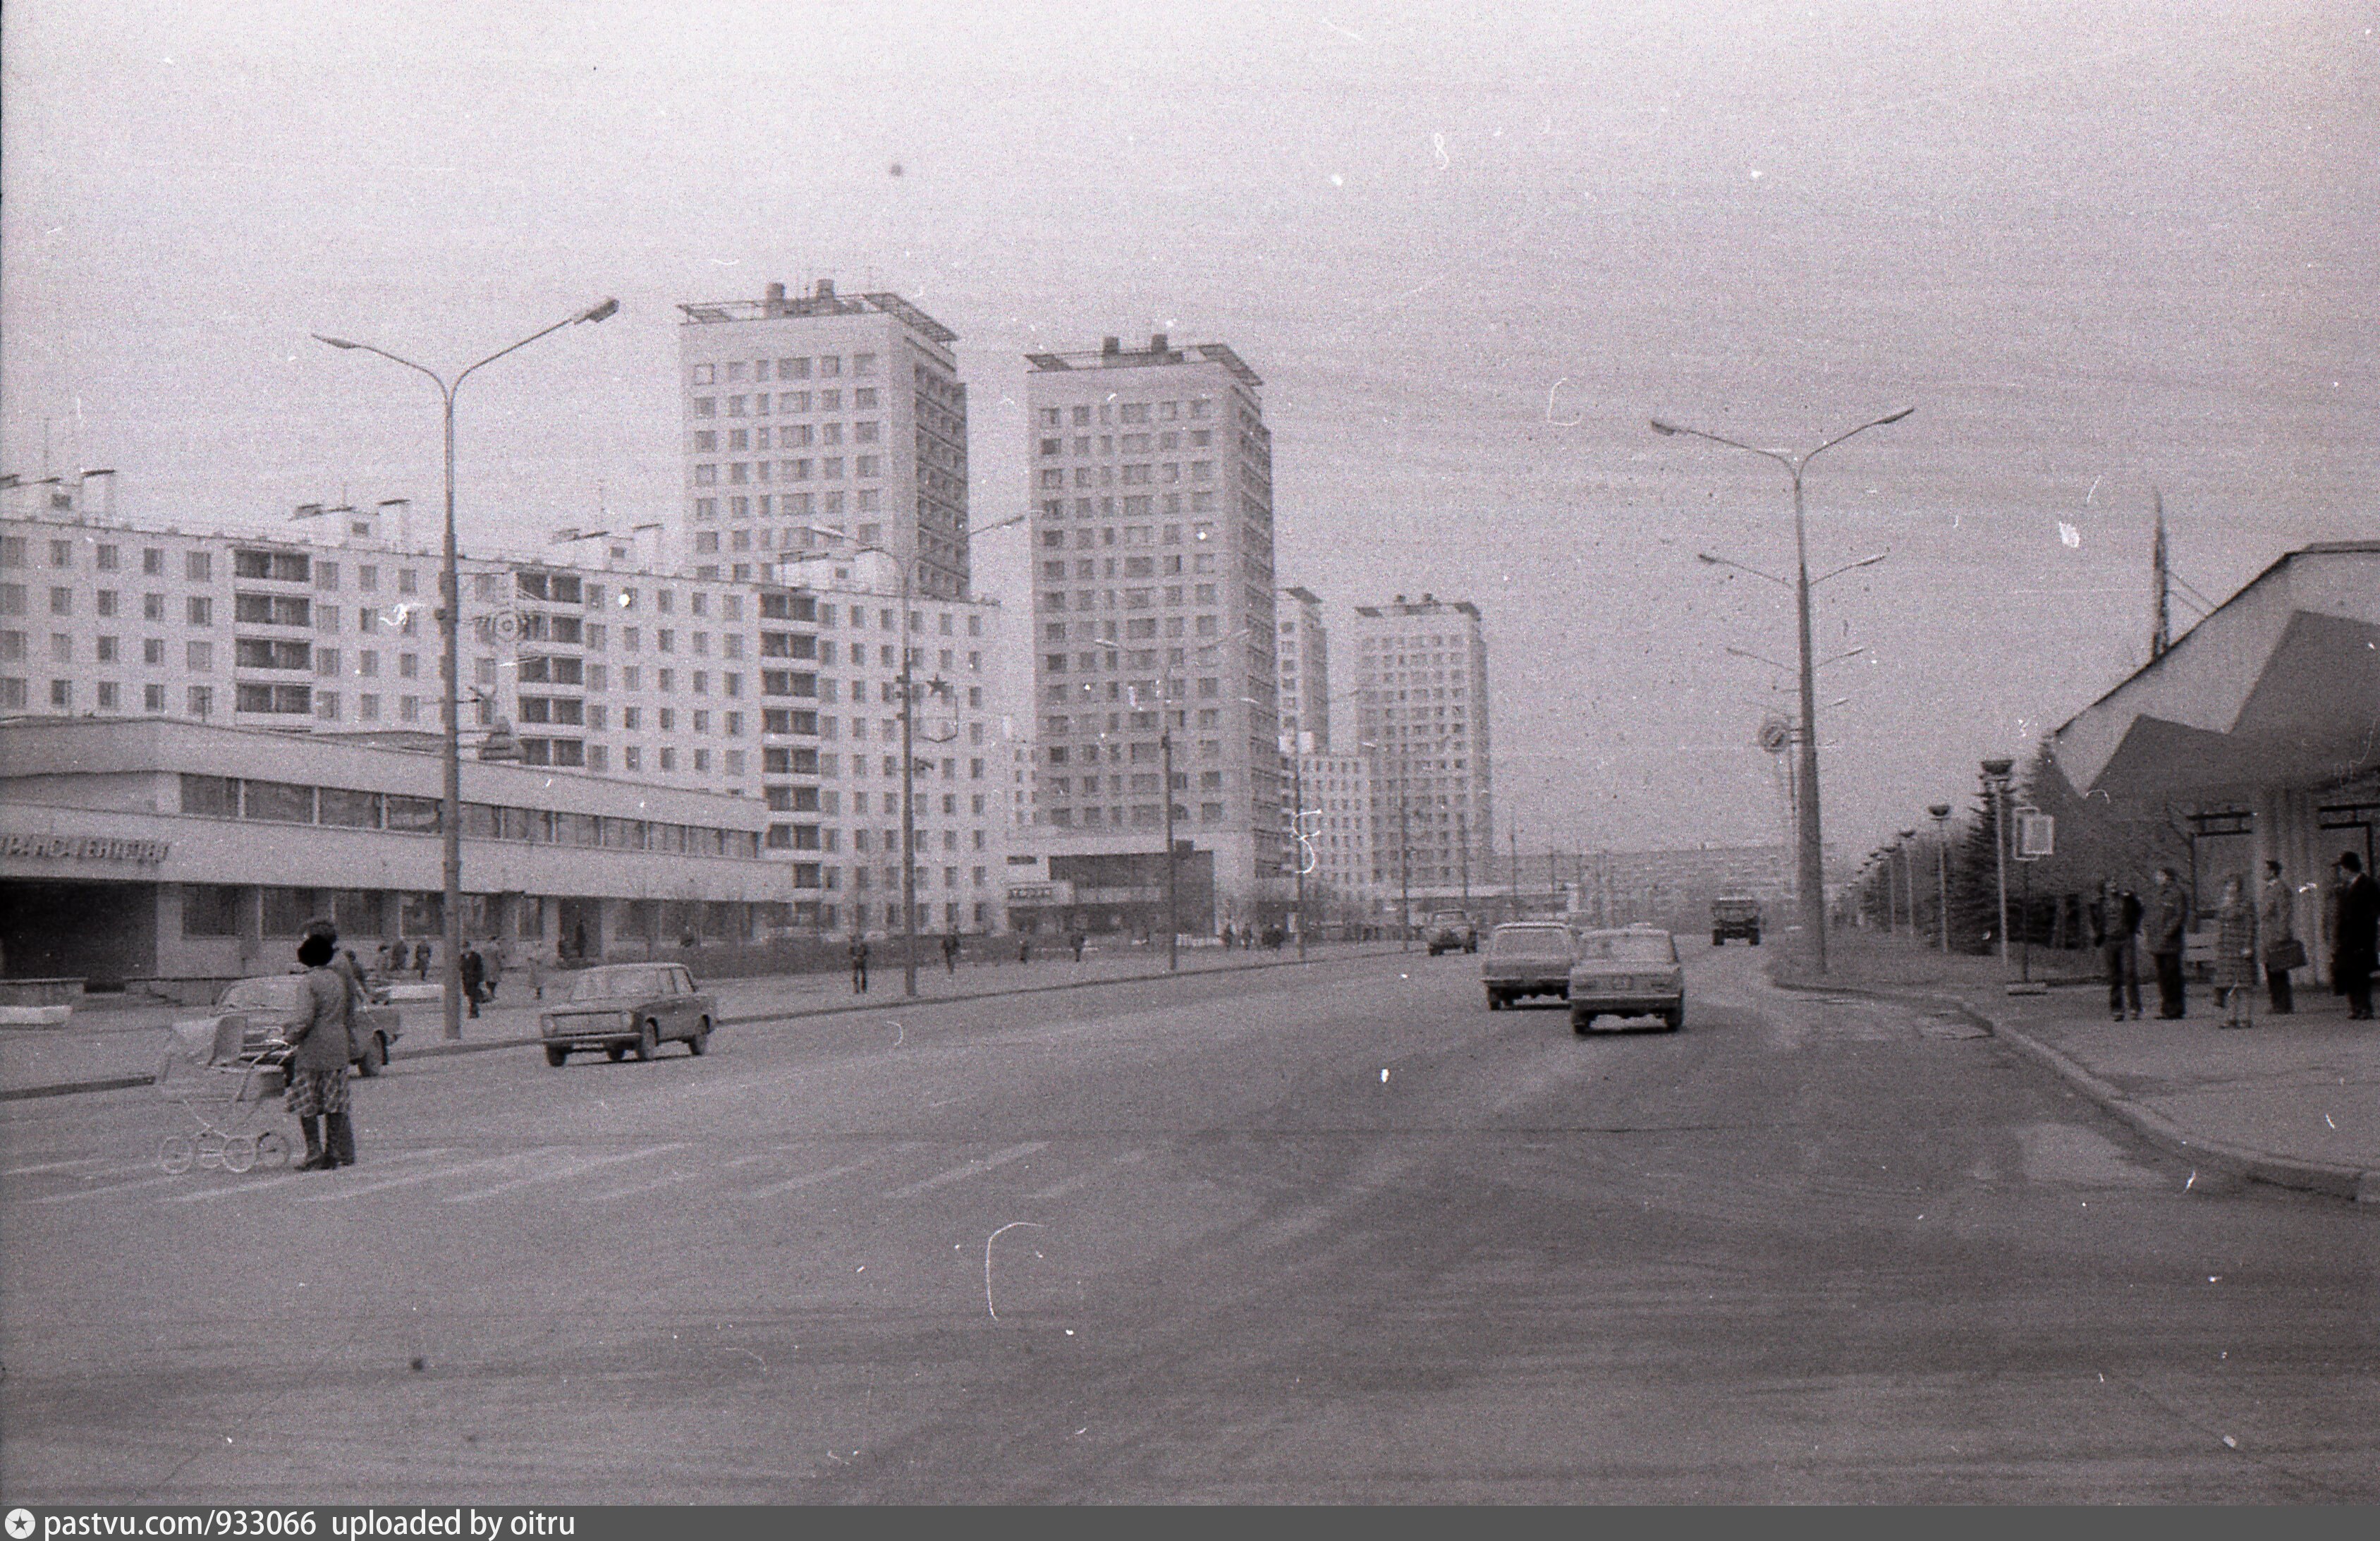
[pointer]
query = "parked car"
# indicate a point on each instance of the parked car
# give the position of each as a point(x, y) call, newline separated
point(618, 1007)
point(1735, 915)
point(270, 1003)
point(1451, 931)
point(1525, 958)
point(1634, 972)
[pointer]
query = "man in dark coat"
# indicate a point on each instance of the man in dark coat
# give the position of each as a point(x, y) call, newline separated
point(2114, 930)
point(858, 955)
point(2355, 952)
point(2165, 931)
point(474, 969)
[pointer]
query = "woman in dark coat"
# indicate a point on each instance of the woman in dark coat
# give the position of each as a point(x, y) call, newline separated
point(318, 1063)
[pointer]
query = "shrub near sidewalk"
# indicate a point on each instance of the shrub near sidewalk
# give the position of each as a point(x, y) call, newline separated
point(1872, 960)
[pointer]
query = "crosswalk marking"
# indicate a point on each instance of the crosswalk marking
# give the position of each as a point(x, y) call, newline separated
point(561, 1173)
point(363, 1190)
point(808, 1180)
point(1060, 1190)
point(972, 1169)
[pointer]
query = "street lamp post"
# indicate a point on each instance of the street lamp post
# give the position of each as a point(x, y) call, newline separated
point(1907, 845)
point(1172, 905)
point(1996, 788)
point(1941, 816)
point(450, 590)
point(1812, 860)
point(1297, 845)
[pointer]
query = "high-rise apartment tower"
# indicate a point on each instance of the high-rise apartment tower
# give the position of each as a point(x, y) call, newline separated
point(1153, 608)
point(822, 422)
point(1421, 711)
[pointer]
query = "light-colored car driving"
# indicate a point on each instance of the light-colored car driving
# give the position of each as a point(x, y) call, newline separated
point(1525, 958)
point(270, 1003)
point(1634, 972)
point(619, 1007)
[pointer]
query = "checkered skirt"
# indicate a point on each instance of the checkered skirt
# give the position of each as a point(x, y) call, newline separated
point(313, 1092)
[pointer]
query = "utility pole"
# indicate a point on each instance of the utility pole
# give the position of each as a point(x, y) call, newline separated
point(1297, 846)
point(1172, 908)
point(1404, 869)
point(1463, 828)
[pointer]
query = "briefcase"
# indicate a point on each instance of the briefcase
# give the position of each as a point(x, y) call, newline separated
point(2286, 955)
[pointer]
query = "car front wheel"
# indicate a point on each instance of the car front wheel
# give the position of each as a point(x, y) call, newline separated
point(700, 1042)
point(1495, 1002)
point(1581, 1021)
point(1675, 1020)
point(555, 1054)
point(649, 1042)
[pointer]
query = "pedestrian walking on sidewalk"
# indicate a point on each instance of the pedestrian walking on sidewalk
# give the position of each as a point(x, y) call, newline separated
point(2165, 931)
point(2115, 933)
point(950, 951)
point(858, 965)
point(317, 1066)
point(474, 969)
point(1025, 948)
point(421, 960)
point(2276, 924)
point(2235, 953)
point(2355, 951)
point(1074, 940)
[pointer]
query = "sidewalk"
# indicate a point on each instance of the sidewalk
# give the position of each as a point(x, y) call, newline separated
point(2295, 1101)
point(111, 1042)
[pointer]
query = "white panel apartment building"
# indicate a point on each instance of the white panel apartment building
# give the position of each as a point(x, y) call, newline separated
point(820, 413)
point(1305, 672)
point(781, 695)
point(1421, 704)
point(1339, 850)
point(1153, 550)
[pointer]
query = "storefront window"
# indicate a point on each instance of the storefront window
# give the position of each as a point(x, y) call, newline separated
point(416, 814)
point(286, 910)
point(209, 909)
point(357, 912)
point(213, 796)
point(280, 802)
point(421, 914)
point(349, 810)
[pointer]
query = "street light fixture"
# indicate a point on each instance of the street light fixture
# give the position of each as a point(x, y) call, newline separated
point(449, 814)
point(1812, 865)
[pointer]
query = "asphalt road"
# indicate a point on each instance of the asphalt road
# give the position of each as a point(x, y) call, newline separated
point(1336, 1234)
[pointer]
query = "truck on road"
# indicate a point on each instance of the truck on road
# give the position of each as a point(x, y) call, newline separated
point(1735, 915)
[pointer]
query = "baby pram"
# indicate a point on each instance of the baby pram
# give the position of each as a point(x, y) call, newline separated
point(204, 1068)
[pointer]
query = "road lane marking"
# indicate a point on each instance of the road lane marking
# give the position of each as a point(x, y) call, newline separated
point(102, 1193)
point(57, 1166)
point(561, 1174)
point(1058, 1190)
point(972, 1169)
point(225, 1193)
point(654, 1186)
point(430, 1176)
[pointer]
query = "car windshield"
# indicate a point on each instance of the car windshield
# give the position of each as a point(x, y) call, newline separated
point(1629, 947)
point(606, 984)
point(1449, 921)
point(1531, 941)
point(279, 992)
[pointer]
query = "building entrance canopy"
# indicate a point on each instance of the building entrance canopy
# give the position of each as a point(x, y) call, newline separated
point(2278, 690)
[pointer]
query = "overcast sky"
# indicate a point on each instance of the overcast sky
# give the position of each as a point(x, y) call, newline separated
point(2101, 247)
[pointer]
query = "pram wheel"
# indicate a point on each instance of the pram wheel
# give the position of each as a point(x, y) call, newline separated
point(176, 1152)
point(211, 1150)
point(239, 1153)
point(271, 1150)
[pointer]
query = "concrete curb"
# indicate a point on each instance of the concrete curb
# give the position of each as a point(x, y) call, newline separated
point(434, 1050)
point(2354, 1183)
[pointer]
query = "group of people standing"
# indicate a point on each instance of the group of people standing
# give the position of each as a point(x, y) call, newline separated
point(2253, 936)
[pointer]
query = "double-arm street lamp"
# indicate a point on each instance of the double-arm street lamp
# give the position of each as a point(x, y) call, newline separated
point(1812, 864)
point(450, 591)
point(1996, 780)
